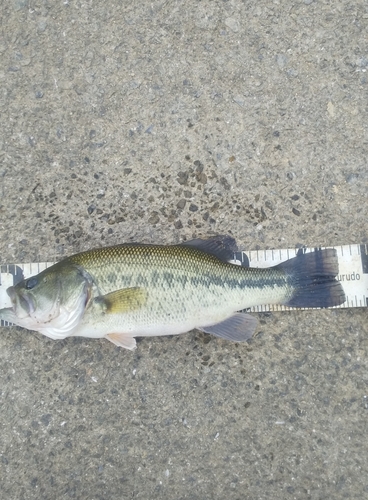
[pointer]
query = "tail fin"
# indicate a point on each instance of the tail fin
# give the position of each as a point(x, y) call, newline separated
point(312, 277)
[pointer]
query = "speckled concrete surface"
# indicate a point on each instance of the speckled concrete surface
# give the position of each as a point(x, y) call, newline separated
point(163, 121)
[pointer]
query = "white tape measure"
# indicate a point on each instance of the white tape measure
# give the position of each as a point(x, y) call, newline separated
point(353, 273)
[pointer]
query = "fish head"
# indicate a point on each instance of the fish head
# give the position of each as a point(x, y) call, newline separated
point(51, 302)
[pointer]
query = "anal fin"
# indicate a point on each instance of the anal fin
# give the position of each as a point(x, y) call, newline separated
point(122, 340)
point(239, 327)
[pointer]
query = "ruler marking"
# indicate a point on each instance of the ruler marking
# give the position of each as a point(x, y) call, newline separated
point(364, 258)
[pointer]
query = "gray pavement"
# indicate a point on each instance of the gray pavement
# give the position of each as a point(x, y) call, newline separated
point(158, 122)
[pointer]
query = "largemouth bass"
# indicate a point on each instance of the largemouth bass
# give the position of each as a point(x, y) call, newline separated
point(134, 290)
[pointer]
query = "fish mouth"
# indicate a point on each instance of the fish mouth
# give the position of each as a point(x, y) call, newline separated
point(23, 301)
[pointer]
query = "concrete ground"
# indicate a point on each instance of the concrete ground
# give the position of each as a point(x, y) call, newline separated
point(158, 122)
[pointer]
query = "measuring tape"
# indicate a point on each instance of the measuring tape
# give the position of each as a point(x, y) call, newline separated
point(353, 273)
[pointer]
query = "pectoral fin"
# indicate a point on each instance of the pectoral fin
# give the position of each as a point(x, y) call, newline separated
point(122, 340)
point(123, 301)
point(239, 327)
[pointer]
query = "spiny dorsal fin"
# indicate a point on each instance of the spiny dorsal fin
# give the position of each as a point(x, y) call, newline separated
point(222, 247)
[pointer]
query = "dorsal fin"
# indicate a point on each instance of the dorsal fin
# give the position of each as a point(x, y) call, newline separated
point(222, 247)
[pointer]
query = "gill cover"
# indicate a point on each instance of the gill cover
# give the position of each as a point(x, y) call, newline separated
point(53, 302)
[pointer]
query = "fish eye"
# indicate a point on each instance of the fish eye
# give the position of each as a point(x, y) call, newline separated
point(31, 283)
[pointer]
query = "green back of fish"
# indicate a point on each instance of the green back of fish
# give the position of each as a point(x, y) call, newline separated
point(178, 274)
point(145, 266)
point(174, 267)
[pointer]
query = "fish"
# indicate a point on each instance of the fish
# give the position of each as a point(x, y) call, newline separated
point(135, 290)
